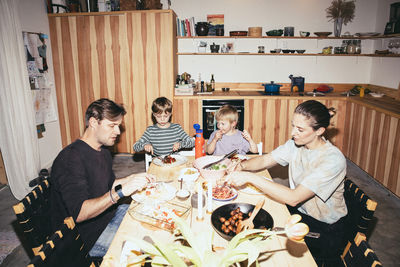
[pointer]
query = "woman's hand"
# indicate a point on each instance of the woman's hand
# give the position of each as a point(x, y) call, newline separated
point(148, 148)
point(237, 178)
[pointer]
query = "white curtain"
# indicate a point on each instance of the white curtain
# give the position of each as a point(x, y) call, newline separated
point(18, 138)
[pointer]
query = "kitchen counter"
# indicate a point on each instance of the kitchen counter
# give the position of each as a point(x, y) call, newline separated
point(383, 104)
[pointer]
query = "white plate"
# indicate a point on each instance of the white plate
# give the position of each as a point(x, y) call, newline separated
point(180, 160)
point(376, 94)
point(252, 190)
point(365, 34)
point(235, 194)
point(161, 193)
point(126, 251)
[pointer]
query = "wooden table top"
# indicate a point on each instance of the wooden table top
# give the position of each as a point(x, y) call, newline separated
point(282, 251)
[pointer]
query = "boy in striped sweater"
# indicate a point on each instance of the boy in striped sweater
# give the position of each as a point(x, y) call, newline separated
point(163, 137)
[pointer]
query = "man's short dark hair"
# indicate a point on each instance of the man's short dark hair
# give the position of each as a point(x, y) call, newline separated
point(104, 108)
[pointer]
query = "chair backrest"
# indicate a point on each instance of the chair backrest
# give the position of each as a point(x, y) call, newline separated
point(147, 159)
point(360, 210)
point(63, 248)
point(359, 253)
point(260, 148)
point(33, 213)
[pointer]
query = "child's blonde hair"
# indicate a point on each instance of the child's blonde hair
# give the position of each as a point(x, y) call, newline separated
point(227, 112)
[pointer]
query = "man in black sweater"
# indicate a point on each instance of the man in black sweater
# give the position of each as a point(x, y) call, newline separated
point(83, 184)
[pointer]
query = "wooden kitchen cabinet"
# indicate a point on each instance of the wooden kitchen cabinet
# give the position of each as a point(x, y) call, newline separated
point(127, 56)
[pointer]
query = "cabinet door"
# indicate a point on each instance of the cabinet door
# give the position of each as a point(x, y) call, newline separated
point(269, 121)
point(128, 57)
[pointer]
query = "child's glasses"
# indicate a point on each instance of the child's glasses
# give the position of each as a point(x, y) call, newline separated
point(162, 115)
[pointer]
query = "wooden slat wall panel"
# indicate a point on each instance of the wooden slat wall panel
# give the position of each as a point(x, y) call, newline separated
point(373, 144)
point(128, 58)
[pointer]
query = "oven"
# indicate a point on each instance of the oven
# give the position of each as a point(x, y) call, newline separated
point(210, 107)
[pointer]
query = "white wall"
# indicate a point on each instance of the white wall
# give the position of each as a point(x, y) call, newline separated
point(307, 15)
point(33, 17)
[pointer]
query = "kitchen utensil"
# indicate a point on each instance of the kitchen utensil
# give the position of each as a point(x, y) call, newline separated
point(288, 31)
point(238, 33)
point(322, 34)
point(255, 31)
point(202, 28)
point(210, 165)
point(274, 32)
point(248, 223)
point(310, 234)
point(304, 34)
point(297, 82)
point(271, 88)
point(263, 219)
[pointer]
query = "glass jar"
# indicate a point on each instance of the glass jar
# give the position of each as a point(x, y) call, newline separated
point(351, 48)
point(358, 46)
point(344, 46)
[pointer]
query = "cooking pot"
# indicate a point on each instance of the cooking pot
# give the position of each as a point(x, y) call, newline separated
point(271, 88)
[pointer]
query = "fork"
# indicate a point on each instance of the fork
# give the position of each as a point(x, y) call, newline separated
point(248, 223)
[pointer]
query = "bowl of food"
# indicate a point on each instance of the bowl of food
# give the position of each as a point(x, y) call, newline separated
point(225, 219)
point(189, 174)
point(216, 172)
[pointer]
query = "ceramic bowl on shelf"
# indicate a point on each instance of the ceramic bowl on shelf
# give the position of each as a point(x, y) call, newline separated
point(285, 51)
point(300, 51)
point(304, 34)
point(322, 34)
point(238, 33)
point(274, 32)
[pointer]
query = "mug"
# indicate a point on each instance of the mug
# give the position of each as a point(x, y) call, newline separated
point(261, 49)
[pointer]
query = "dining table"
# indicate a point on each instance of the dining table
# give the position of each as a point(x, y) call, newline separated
point(281, 251)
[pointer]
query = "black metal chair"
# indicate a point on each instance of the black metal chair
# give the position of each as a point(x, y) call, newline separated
point(360, 210)
point(33, 215)
point(359, 253)
point(63, 248)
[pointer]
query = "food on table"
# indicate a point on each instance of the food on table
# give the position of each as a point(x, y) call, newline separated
point(229, 225)
point(222, 192)
point(189, 172)
point(161, 214)
point(168, 159)
point(218, 166)
point(154, 191)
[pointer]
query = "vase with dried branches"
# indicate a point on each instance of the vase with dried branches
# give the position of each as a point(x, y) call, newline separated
point(341, 12)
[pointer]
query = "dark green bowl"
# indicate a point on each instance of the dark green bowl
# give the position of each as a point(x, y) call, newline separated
point(274, 33)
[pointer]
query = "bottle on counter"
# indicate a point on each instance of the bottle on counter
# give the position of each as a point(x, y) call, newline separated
point(212, 83)
point(202, 86)
point(199, 142)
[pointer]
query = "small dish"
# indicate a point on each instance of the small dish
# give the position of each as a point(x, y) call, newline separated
point(272, 51)
point(322, 34)
point(286, 51)
point(225, 89)
point(278, 50)
point(304, 34)
point(300, 51)
point(238, 33)
point(182, 194)
point(376, 94)
point(292, 51)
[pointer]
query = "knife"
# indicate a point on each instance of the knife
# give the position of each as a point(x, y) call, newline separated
point(309, 234)
point(230, 154)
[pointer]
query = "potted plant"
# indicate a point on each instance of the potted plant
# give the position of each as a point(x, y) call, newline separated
point(198, 250)
point(341, 12)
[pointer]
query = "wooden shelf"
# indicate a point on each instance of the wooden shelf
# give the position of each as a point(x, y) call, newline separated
point(288, 54)
point(288, 37)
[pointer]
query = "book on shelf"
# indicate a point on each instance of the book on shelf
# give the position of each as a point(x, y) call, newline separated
point(185, 27)
point(216, 22)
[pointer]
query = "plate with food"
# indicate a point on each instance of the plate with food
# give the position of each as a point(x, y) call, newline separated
point(251, 189)
point(170, 160)
point(225, 219)
point(155, 192)
point(159, 214)
point(239, 157)
point(224, 193)
point(189, 174)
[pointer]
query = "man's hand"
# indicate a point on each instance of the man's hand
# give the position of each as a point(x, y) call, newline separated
point(148, 148)
point(176, 146)
point(136, 182)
